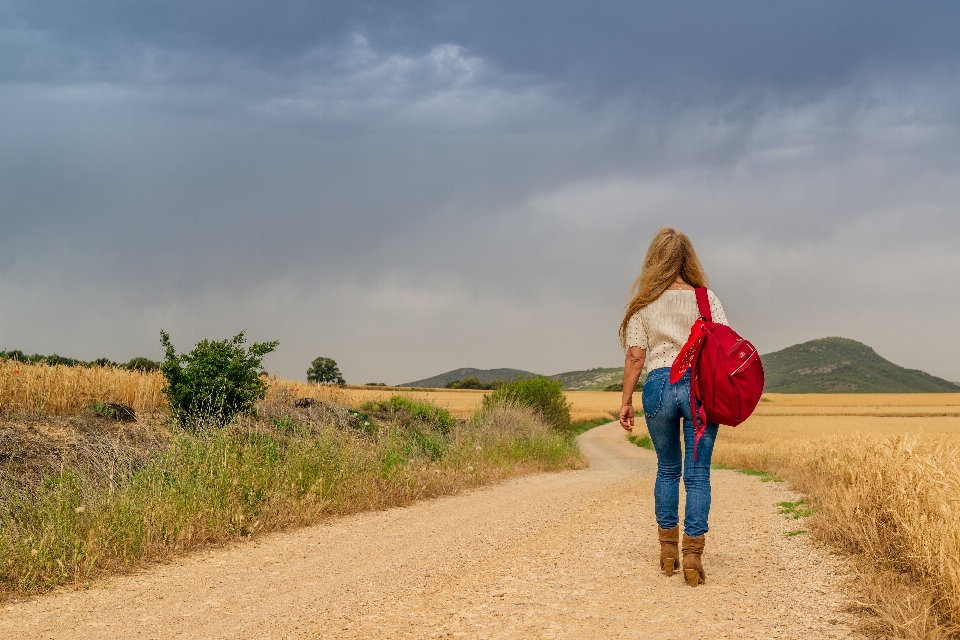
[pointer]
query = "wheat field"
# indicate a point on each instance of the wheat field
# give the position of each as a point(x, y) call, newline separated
point(33, 390)
point(883, 474)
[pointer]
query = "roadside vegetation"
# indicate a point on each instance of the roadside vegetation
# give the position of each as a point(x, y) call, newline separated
point(892, 503)
point(586, 425)
point(83, 495)
point(91, 495)
point(889, 502)
point(642, 441)
point(543, 395)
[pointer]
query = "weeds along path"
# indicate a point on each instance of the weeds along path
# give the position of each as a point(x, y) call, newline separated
point(562, 555)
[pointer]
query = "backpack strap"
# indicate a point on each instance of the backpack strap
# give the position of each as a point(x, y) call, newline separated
point(703, 302)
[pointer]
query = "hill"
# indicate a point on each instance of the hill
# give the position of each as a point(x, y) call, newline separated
point(587, 380)
point(839, 365)
point(590, 379)
point(485, 375)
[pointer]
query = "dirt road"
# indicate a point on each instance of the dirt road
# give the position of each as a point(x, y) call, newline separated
point(564, 555)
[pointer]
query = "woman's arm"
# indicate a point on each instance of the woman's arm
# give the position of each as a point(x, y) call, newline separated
point(632, 367)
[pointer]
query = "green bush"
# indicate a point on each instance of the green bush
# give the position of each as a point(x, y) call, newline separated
point(543, 395)
point(213, 383)
point(259, 474)
point(408, 410)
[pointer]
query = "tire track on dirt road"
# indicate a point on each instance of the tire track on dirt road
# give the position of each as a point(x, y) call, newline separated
point(560, 555)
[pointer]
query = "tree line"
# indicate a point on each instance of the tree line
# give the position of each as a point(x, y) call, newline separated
point(135, 364)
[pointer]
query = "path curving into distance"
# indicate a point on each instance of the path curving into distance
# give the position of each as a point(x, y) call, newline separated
point(559, 555)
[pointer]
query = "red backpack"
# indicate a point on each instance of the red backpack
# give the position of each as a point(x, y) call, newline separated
point(726, 376)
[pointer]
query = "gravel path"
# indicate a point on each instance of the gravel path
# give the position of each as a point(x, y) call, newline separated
point(562, 555)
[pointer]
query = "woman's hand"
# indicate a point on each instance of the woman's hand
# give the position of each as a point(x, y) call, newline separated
point(632, 367)
point(626, 417)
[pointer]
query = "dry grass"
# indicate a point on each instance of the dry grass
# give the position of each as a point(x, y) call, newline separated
point(592, 405)
point(102, 497)
point(82, 496)
point(32, 390)
point(891, 502)
point(35, 390)
point(462, 403)
point(883, 472)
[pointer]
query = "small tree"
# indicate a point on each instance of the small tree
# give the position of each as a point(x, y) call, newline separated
point(325, 371)
point(142, 364)
point(216, 381)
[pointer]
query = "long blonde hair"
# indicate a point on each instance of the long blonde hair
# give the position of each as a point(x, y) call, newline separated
point(669, 255)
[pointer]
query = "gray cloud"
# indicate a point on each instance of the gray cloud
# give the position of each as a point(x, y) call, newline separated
point(414, 188)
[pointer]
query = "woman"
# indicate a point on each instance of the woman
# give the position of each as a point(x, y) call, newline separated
point(657, 323)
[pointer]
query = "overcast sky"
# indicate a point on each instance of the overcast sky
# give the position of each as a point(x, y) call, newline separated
point(412, 187)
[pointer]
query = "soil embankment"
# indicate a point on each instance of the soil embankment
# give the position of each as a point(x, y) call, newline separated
point(548, 556)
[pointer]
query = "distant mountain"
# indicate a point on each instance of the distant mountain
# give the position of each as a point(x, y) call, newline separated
point(828, 365)
point(589, 380)
point(485, 375)
point(839, 365)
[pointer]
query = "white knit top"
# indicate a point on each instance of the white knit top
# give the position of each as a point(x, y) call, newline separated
point(663, 326)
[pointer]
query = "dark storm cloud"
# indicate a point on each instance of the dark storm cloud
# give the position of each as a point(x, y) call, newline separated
point(410, 187)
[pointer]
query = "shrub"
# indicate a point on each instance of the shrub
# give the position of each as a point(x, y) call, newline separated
point(216, 381)
point(260, 474)
point(325, 371)
point(408, 410)
point(543, 395)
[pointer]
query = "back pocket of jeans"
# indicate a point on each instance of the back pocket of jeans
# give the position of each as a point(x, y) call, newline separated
point(652, 395)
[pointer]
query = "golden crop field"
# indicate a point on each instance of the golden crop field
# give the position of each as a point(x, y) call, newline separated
point(809, 416)
point(39, 389)
point(883, 473)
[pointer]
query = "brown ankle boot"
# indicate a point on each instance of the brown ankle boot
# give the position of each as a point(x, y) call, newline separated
point(669, 553)
point(692, 565)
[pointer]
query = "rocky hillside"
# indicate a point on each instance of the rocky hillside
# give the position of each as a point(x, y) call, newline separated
point(590, 379)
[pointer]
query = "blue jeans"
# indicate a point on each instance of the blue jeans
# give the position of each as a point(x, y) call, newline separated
point(664, 406)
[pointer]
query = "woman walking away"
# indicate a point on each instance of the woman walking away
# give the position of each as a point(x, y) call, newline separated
point(662, 309)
